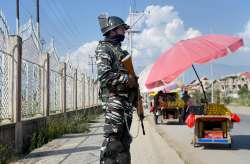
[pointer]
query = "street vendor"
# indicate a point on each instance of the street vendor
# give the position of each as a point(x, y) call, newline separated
point(157, 100)
point(185, 97)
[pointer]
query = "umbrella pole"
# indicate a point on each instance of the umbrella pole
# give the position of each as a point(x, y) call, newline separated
point(200, 83)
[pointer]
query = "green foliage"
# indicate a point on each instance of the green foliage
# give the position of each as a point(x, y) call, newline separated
point(56, 128)
point(243, 92)
point(197, 96)
point(217, 96)
point(209, 96)
point(227, 100)
point(243, 100)
point(6, 154)
point(244, 96)
point(4, 151)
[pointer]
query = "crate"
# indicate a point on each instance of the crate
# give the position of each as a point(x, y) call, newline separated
point(172, 104)
point(213, 134)
point(217, 109)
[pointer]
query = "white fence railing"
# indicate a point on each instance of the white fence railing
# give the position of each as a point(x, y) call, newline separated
point(5, 59)
point(37, 82)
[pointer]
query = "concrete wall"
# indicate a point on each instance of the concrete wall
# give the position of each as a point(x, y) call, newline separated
point(7, 131)
point(7, 134)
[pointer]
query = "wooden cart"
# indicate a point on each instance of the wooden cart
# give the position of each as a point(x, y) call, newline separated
point(213, 127)
point(171, 108)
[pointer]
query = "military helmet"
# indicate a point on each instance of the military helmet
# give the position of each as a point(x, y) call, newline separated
point(109, 23)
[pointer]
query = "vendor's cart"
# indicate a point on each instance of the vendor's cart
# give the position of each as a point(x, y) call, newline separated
point(214, 126)
point(212, 129)
point(167, 106)
point(171, 108)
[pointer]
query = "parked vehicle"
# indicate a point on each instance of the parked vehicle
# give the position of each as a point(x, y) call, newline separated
point(169, 107)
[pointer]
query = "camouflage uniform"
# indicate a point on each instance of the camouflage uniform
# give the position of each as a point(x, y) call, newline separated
point(114, 94)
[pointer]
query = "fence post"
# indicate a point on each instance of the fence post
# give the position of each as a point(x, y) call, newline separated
point(75, 90)
point(89, 92)
point(97, 91)
point(83, 91)
point(63, 87)
point(45, 84)
point(16, 50)
point(93, 90)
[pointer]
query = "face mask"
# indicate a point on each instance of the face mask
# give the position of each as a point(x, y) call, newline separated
point(116, 38)
point(120, 37)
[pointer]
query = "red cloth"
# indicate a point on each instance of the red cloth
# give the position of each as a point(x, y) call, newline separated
point(151, 109)
point(235, 117)
point(190, 120)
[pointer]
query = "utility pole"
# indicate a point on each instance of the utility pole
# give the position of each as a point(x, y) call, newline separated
point(132, 31)
point(37, 20)
point(92, 64)
point(212, 85)
point(17, 17)
point(212, 76)
point(92, 80)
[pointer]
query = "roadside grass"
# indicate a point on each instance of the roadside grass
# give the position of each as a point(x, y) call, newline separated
point(6, 154)
point(242, 101)
point(238, 101)
point(54, 129)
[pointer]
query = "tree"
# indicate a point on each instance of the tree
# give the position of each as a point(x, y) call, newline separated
point(217, 96)
point(243, 92)
point(244, 95)
point(196, 96)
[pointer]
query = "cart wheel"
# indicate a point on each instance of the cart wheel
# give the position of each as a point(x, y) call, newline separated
point(161, 119)
point(156, 119)
point(181, 120)
point(196, 145)
point(230, 144)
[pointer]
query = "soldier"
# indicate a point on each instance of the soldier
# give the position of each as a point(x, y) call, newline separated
point(115, 83)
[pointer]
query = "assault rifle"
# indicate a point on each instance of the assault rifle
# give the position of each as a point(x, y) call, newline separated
point(127, 63)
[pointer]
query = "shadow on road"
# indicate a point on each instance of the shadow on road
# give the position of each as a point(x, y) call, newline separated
point(96, 126)
point(64, 151)
point(81, 135)
point(217, 147)
point(241, 142)
point(171, 123)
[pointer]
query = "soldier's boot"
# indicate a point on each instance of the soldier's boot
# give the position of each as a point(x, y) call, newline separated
point(114, 152)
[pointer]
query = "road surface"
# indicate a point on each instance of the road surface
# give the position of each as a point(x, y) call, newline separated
point(179, 138)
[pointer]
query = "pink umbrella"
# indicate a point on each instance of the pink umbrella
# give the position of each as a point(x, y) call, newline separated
point(185, 53)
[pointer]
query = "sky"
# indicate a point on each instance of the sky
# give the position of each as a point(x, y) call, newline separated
point(74, 27)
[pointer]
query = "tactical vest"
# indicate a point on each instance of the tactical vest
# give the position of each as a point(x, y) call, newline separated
point(117, 66)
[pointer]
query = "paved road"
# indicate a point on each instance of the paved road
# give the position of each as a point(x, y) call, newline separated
point(151, 148)
point(179, 138)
